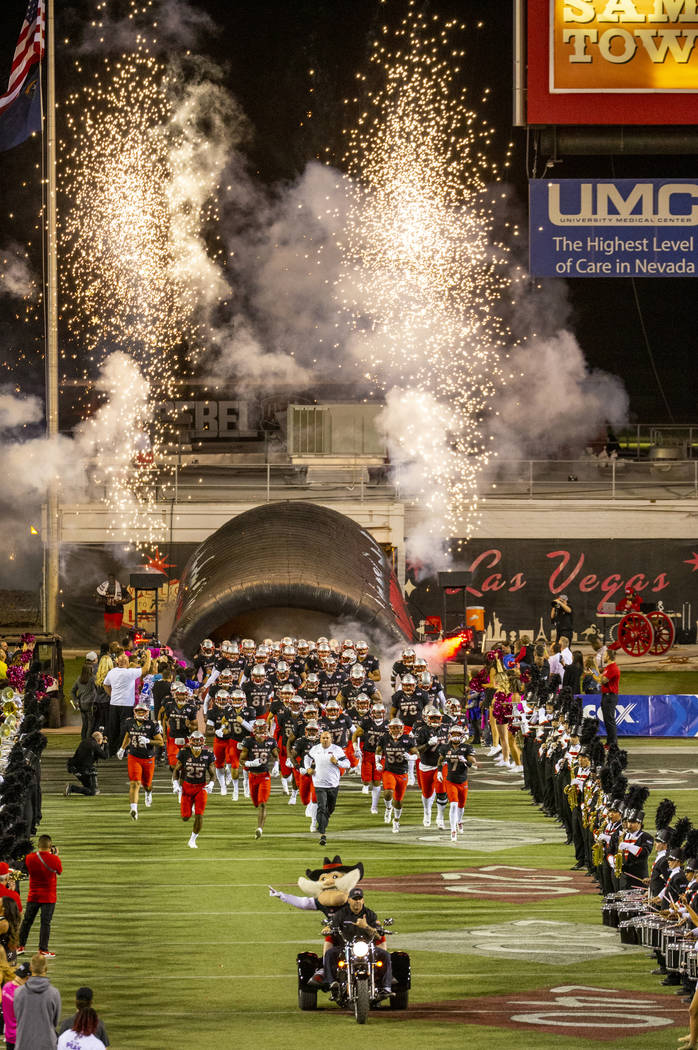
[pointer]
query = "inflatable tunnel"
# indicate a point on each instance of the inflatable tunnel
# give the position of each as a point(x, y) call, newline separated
point(288, 568)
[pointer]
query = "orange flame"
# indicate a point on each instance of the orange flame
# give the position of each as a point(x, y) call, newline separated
point(438, 652)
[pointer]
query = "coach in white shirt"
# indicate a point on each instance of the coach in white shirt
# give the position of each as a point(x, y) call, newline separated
point(120, 684)
point(325, 760)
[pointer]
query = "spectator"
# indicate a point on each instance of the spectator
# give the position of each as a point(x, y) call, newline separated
point(557, 668)
point(9, 928)
point(524, 657)
point(565, 651)
point(82, 765)
point(43, 866)
point(37, 1008)
point(599, 647)
point(573, 672)
point(120, 685)
point(84, 694)
point(9, 989)
point(8, 886)
point(591, 677)
point(541, 662)
point(610, 682)
point(101, 719)
point(561, 617)
point(82, 1035)
point(83, 1001)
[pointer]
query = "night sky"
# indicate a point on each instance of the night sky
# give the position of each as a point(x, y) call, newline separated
point(268, 47)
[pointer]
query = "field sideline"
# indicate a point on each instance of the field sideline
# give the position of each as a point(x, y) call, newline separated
point(185, 948)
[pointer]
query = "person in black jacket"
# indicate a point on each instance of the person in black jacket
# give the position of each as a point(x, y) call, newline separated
point(82, 764)
point(356, 913)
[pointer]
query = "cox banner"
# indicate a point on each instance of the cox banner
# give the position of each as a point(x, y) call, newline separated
point(613, 228)
point(650, 715)
point(612, 61)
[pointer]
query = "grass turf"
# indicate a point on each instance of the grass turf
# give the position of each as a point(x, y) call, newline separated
point(176, 941)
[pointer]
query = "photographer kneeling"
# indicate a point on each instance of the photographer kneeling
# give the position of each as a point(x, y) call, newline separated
point(82, 764)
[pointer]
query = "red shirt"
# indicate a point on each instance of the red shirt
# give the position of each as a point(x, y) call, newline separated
point(6, 892)
point(612, 673)
point(42, 876)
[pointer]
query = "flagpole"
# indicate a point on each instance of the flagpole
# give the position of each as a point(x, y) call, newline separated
point(52, 509)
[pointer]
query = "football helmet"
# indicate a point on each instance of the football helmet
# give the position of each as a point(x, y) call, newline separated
point(259, 728)
point(432, 717)
point(453, 708)
point(207, 647)
point(378, 713)
point(363, 704)
point(197, 741)
point(357, 674)
point(408, 657)
point(408, 684)
point(395, 728)
point(258, 674)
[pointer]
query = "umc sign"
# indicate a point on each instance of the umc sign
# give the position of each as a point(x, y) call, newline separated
point(620, 228)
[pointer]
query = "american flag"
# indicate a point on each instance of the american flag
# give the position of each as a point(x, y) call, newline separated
point(29, 50)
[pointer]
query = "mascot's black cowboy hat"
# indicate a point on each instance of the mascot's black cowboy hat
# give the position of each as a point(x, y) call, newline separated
point(333, 865)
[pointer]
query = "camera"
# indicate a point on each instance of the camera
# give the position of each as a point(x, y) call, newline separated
point(54, 849)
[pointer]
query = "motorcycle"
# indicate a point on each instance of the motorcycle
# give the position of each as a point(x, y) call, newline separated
point(359, 977)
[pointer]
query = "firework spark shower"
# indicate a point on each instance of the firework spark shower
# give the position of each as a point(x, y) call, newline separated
point(421, 275)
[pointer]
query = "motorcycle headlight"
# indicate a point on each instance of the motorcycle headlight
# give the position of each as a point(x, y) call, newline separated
point(360, 950)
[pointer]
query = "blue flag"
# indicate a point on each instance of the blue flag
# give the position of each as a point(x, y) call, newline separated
point(23, 117)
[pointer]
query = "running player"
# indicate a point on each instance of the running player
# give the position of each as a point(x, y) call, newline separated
point(194, 775)
point(259, 692)
point(370, 731)
point(368, 661)
point(301, 745)
point(178, 715)
point(457, 756)
point(392, 751)
point(407, 705)
point(240, 728)
point(258, 752)
point(142, 735)
point(220, 718)
point(429, 736)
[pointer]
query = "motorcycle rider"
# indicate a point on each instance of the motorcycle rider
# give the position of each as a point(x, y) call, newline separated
point(355, 911)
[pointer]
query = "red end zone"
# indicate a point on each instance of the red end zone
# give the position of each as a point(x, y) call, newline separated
point(576, 1010)
point(491, 882)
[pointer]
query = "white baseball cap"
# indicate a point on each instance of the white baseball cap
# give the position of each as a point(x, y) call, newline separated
point(91, 656)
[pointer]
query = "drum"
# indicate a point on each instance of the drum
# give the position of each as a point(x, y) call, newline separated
point(687, 946)
point(628, 911)
point(609, 914)
point(629, 932)
point(652, 933)
point(673, 955)
point(692, 964)
point(670, 934)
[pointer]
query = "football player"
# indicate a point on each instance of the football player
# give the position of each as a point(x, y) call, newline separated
point(403, 666)
point(178, 715)
point(430, 736)
point(392, 751)
point(369, 731)
point(259, 692)
point(456, 758)
point(258, 753)
point(142, 735)
point(194, 775)
point(219, 718)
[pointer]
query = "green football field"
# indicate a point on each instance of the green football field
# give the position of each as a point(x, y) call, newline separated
point(186, 949)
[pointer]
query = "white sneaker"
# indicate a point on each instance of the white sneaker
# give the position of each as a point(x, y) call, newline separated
point(396, 826)
point(134, 814)
point(374, 811)
point(411, 781)
point(285, 787)
point(224, 789)
point(313, 825)
point(440, 825)
point(149, 798)
point(292, 799)
point(494, 751)
point(454, 836)
point(500, 762)
point(258, 833)
point(228, 775)
point(365, 790)
point(427, 822)
point(234, 795)
point(308, 810)
point(513, 768)
point(388, 816)
point(460, 828)
point(246, 791)
point(192, 843)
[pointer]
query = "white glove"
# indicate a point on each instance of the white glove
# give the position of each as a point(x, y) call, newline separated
point(120, 753)
point(273, 892)
point(432, 741)
point(219, 733)
point(439, 776)
point(175, 787)
point(179, 741)
point(209, 786)
point(379, 766)
point(252, 764)
point(275, 770)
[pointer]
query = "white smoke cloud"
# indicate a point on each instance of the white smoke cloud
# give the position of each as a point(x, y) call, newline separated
point(556, 402)
point(17, 280)
point(16, 411)
point(170, 24)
